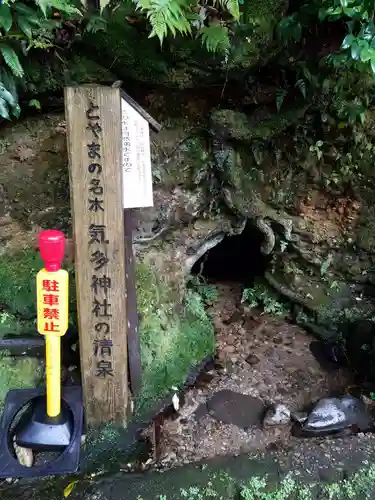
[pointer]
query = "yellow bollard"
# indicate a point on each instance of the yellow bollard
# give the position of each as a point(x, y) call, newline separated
point(53, 311)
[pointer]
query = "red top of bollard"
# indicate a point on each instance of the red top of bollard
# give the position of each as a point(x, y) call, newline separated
point(51, 247)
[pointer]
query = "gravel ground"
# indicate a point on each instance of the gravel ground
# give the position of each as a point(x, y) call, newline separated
point(258, 356)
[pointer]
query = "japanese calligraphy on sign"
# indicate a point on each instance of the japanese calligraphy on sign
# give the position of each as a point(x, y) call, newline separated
point(52, 299)
point(94, 138)
point(136, 159)
point(98, 242)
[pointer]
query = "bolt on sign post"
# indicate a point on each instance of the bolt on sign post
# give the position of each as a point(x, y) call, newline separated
point(93, 117)
point(53, 311)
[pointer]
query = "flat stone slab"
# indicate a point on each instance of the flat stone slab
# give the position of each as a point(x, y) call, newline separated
point(235, 408)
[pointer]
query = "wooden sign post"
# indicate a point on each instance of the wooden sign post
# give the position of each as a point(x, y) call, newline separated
point(93, 116)
point(110, 174)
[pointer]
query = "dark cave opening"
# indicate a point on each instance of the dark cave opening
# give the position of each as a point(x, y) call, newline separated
point(236, 259)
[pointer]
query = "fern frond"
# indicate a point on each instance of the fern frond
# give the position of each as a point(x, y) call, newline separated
point(231, 6)
point(11, 59)
point(215, 38)
point(280, 96)
point(165, 16)
point(301, 86)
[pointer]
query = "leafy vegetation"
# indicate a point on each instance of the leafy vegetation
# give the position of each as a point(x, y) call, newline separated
point(219, 486)
point(171, 343)
point(23, 27)
point(260, 296)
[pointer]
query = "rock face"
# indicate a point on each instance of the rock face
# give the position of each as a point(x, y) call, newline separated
point(211, 178)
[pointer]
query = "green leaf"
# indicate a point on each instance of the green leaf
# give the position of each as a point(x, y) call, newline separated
point(8, 81)
point(165, 16)
point(344, 3)
point(7, 96)
point(30, 14)
point(368, 31)
point(34, 103)
point(347, 42)
point(355, 51)
point(373, 64)
point(215, 38)
point(280, 96)
point(69, 488)
point(6, 19)
point(4, 113)
point(301, 86)
point(322, 14)
point(60, 5)
point(366, 54)
point(16, 111)
point(232, 7)
point(25, 26)
point(96, 23)
point(11, 59)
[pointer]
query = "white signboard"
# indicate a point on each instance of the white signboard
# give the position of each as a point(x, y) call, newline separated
point(136, 159)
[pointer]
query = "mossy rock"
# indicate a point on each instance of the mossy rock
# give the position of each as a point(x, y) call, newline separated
point(49, 75)
point(171, 342)
point(253, 42)
point(18, 373)
point(233, 125)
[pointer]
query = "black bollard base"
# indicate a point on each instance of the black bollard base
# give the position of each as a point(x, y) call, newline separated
point(39, 434)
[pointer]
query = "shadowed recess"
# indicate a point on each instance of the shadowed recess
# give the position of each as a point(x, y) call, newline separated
point(235, 259)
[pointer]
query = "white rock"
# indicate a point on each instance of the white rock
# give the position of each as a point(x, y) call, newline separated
point(277, 414)
point(24, 456)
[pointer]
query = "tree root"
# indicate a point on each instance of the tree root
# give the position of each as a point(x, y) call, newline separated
point(288, 293)
point(270, 240)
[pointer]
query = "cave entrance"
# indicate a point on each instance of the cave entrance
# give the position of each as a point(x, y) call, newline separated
point(236, 259)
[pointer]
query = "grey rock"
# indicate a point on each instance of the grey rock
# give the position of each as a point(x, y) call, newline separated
point(235, 408)
point(252, 359)
point(338, 415)
point(277, 415)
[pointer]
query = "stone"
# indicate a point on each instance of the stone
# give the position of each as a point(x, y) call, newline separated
point(24, 456)
point(276, 415)
point(335, 415)
point(235, 408)
point(252, 359)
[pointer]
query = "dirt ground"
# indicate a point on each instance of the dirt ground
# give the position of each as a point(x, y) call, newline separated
point(258, 356)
